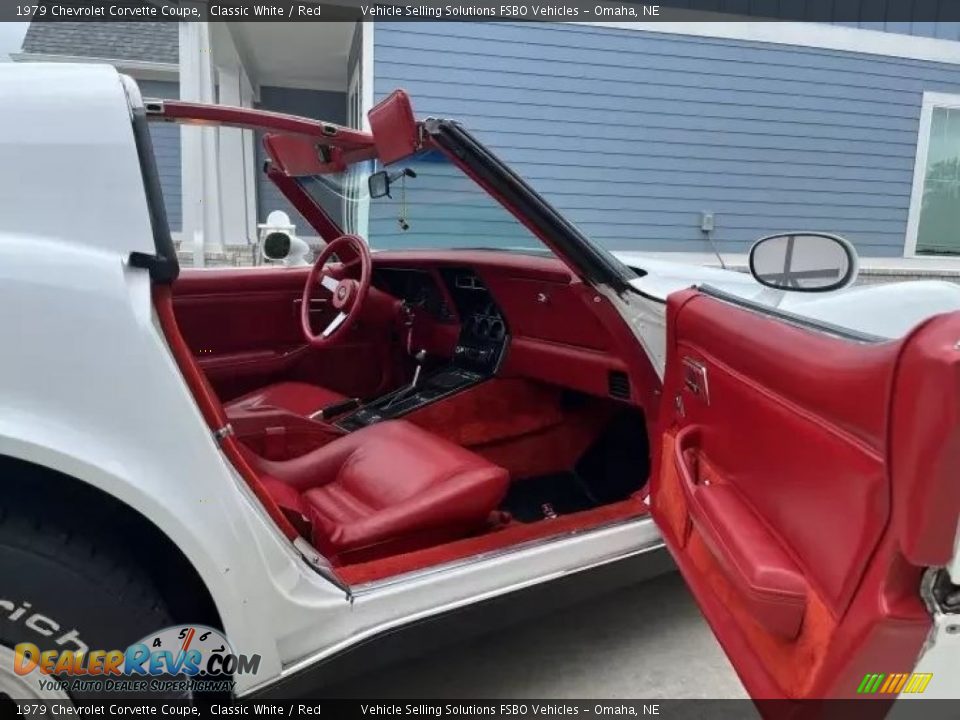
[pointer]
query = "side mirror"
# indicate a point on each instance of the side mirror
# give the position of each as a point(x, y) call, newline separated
point(804, 262)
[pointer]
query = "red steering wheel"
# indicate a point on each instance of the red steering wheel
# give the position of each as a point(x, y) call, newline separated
point(347, 293)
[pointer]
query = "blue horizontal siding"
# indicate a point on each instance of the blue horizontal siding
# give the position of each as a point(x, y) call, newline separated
point(166, 149)
point(943, 30)
point(883, 15)
point(634, 134)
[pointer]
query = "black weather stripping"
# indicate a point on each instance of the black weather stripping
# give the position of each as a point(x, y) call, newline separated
point(163, 266)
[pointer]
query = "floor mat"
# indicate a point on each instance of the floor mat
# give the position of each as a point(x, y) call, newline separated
point(536, 498)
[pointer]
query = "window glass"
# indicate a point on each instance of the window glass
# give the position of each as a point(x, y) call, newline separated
point(938, 231)
point(432, 204)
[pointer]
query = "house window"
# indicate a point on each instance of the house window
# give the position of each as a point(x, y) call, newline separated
point(933, 227)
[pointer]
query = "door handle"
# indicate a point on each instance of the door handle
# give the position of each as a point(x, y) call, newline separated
point(695, 378)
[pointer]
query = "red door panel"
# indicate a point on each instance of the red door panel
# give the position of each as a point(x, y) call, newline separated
point(925, 443)
point(243, 326)
point(778, 481)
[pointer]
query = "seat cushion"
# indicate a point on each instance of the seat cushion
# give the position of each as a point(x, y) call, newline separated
point(388, 488)
point(296, 397)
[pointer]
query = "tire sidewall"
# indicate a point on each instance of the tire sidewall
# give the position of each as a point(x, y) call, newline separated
point(66, 604)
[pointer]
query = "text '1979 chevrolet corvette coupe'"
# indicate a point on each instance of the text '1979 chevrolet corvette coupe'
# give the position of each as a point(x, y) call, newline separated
point(310, 458)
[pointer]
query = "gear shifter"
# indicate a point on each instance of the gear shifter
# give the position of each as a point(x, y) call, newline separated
point(419, 357)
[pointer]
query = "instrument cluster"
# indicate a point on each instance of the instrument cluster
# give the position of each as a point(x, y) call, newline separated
point(487, 324)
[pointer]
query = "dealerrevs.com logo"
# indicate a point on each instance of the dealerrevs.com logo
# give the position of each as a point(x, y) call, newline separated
point(191, 658)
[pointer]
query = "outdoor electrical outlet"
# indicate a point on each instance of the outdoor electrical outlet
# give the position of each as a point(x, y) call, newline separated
point(706, 222)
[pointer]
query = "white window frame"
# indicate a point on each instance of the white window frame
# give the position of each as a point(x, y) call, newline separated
point(931, 100)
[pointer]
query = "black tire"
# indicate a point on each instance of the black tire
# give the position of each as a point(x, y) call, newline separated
point(71, 578)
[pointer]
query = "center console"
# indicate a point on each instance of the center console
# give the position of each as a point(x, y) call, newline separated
point(480, 348)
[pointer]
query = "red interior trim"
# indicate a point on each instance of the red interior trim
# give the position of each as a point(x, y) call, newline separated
point(528, 267)
point(511, 534)
point(188, 113)
point(206, 398)
point(305, 205)
point(797, 428)
point(210, 406)
point(297, 155)
point(394, 127)
point(924, 450)
point(520, 425)
point(768, 582)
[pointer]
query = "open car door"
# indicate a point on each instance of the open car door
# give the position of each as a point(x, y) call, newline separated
point(807, 479)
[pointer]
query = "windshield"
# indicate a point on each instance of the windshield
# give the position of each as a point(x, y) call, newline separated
point(431, 205)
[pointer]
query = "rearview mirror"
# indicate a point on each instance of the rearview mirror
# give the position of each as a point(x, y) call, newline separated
point(804, 262)
point(379, 184)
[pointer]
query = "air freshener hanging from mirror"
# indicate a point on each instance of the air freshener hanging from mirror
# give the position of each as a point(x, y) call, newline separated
point(402, 218)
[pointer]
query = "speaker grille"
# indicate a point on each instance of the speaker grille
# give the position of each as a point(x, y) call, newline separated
point(618, 385)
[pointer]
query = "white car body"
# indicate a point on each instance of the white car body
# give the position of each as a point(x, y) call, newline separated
point(85, 409)
point(895, 308)
point(56, 277)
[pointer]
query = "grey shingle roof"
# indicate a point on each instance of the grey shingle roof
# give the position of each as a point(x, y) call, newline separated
point(148, 41)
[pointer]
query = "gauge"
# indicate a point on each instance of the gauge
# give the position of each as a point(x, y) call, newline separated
point(420, 296)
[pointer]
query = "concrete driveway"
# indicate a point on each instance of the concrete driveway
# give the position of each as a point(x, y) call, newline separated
point(648, 641)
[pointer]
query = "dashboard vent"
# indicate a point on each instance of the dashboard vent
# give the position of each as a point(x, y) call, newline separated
point(468, 281)
point(618, 385)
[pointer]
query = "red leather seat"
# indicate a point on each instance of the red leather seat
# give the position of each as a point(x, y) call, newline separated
point(295, 397)
point(385, 489)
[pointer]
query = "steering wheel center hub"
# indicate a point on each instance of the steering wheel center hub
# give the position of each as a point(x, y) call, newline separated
point(346, 293)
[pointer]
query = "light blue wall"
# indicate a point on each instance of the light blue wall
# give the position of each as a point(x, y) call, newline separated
point(633, 134)
point(316, 104)
point(166, 148)
point(944, 30)
point(852, 10)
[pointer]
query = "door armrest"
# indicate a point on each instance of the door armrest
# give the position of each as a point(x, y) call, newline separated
point(769, 582)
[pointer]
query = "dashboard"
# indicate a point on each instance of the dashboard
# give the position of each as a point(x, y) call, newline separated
point(507, 314)
point(415, 287)
point(449, 295)
point(483, 329)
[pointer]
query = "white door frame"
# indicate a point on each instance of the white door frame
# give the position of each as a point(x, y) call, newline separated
point(931, 100)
